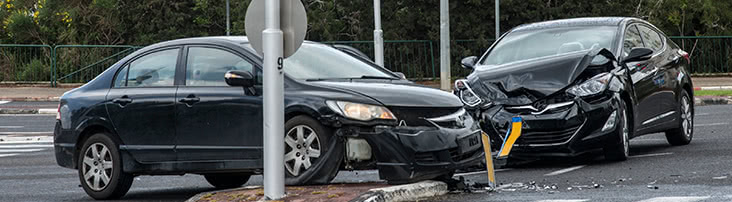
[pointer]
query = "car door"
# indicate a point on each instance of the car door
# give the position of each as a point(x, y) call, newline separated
point(216, 121)
point(141, 105)
point(667, 70)
point(642, 74)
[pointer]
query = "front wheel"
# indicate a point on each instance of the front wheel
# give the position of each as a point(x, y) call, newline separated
point(100, 168)
point(312, 153)
point(619, 150)
point(685, 131)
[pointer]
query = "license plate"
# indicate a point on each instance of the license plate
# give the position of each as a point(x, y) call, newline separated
point(469, 143)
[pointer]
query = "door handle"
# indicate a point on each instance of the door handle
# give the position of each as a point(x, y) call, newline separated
point(190, 99)
point(124, 100)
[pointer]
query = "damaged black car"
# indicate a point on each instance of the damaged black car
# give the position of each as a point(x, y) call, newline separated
point(195, 106)
point(579, 86)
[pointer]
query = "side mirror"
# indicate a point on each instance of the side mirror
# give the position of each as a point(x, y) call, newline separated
point(638, 54)
point(239, 78)
point(401, 75)
point(469, 62)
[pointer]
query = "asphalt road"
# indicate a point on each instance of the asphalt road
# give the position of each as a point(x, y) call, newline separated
point(656, 171)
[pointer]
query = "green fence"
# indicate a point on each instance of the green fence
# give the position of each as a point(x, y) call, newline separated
point(417, 59)
point(709, 54)
point(25, 63)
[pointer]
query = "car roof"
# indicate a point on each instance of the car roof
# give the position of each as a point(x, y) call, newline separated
point(573, 22)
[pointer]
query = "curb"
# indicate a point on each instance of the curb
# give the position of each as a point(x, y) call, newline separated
point(198, 196)
point(712, 101)
point(27, 111)
point(407, 192)
point(31, 99)
point(714, 88)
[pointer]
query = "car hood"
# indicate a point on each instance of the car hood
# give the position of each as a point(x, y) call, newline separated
point(524, 82)
point(396, 94)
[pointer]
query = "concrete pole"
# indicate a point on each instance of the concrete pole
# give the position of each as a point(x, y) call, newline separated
point(498, 19)
point(378, 35)
point(444, 45)
point(274, 102)
point(228, 22)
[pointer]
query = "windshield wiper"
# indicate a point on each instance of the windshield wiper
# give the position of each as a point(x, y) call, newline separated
point(378, 77)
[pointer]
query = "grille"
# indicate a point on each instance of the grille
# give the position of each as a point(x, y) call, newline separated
point(457, 157)
point(539, 136)
point(413, 116)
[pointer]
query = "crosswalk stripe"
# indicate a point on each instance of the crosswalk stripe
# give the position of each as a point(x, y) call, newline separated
point(19, 150)
point(25, 146)
point(564, 200)
point(566, 170)
point(676, 199)
point(7, 155)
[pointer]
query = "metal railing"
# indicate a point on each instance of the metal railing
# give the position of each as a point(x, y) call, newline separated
point(417, 59)
point(708, 54)
point(25, 63)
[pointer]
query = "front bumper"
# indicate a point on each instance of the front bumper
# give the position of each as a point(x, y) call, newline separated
point(407, 154)
point(569, 131)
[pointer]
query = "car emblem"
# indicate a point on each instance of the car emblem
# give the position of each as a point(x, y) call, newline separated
point(459, 121)
point(402, 123)
point(539, 105)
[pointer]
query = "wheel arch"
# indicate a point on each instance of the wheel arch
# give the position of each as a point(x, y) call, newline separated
point(88, 129)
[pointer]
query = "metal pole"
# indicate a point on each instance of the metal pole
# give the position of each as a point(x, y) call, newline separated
point(498, 20)
point(228, 22)
point(274, 102)
point(444, 45)
point(378, 35)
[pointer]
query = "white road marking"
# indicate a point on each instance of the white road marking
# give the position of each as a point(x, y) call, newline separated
point(47, 111)
point(26, 133)
point(566, 170)
point(25, 146)
point(676, 199)
point(54, 114)
point(11, 127)
point(564, 200)
point(25, 139)
point(7, 155)
point(650, 155)
point(19, 150)
point(702, 114)
point(4, 102)
point(710, 124)
point(480, 172)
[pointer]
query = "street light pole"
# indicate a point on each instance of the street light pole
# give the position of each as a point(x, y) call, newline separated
point(228, 22)
point(444, 45)
point(378, 35)
point(274, 134)
point(498, 19)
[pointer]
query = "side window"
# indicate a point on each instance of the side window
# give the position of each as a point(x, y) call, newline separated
point(207, 66)
point(121, 79)
point(631, 40)
point(651, 38)
point(155, 69)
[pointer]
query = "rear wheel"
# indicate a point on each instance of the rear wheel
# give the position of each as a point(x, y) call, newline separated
point(227, 180)
point(100, 168)
point(620, 150)
point(685, 132)
point(312, 154)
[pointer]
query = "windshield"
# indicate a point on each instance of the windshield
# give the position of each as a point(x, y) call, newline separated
point(524, 45)
point(316, 61)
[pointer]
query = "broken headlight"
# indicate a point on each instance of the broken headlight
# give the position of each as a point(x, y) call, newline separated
point(595, 85)
point(466, 94)
point(363, 112)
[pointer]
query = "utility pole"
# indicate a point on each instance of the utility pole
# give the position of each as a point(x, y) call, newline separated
point(378, 35)
point(445, 45)
point(228, 22)
point(498, 19)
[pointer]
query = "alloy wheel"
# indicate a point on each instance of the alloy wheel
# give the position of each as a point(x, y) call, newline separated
point(687, 120)
point(302, 148)
point(97, 167)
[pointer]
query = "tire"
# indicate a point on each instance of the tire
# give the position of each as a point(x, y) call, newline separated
point(620, 149)
point(99, 159)
point(685, 132)
point(227, 180)
point(317, 147)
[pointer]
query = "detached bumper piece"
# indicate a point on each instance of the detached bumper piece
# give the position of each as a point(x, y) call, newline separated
point(568, 130)
point(406, 154)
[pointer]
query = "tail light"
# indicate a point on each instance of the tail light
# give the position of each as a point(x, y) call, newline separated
point(58, 112)
point(684, 54)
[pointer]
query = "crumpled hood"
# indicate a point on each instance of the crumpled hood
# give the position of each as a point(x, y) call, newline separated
point(397, 94)
point(524, 82)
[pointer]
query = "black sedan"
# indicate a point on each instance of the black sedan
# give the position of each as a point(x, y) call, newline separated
point(195, 106)
point(580, 85)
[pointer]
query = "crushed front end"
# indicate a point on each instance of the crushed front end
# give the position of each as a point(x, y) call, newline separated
point(425, 143)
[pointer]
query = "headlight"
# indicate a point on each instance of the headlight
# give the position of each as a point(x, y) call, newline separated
point(363, 112)
point(466, 94)
point(593, 86)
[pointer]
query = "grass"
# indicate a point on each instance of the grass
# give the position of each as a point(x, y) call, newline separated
point(713, 93)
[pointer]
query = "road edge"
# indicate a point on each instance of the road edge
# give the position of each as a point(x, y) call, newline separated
point(407, 192)
point(201, 195)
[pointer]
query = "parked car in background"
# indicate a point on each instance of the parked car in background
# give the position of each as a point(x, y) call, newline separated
point(581, 85)
point(195, 106)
